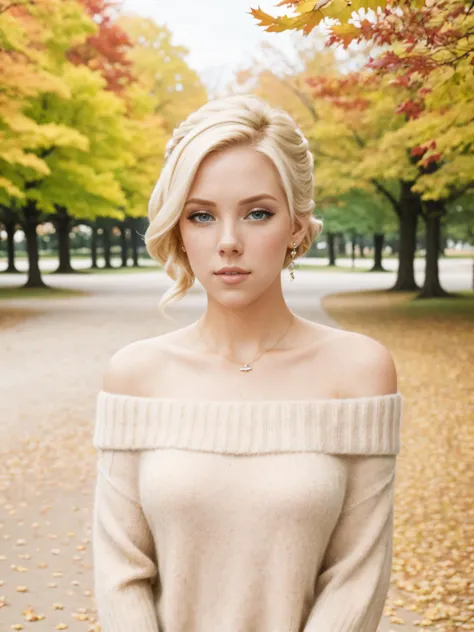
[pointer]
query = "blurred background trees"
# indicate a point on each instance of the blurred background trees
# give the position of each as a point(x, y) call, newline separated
point(400, 126)
point(90, 96)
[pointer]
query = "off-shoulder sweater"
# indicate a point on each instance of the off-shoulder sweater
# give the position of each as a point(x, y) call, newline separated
point(255, 516)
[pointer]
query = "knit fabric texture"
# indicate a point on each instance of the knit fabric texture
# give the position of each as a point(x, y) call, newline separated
point(244, 516)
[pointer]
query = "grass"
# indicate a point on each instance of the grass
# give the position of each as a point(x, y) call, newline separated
point(461, 304)
point(403, 304)
point(116, 270)
point(336, 268)
point(87, 271)
point(33, 292)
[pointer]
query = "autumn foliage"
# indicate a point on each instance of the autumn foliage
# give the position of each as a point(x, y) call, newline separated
point(82, 130)
point(107, 49)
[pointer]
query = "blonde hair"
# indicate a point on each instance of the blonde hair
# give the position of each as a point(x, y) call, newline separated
point(219, 124)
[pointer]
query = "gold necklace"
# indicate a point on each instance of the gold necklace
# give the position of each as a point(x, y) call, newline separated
point(246, 366)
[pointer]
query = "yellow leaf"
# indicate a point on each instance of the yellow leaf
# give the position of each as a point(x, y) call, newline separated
point(348, 32)
point(264, 18)
point(311, 5)
point(10, 188)
point(285, 23)
point(339, 10)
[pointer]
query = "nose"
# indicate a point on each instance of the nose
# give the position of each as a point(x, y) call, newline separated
point(229, 241)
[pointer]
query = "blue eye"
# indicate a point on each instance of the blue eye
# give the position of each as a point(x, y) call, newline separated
point(261, 210)
point(193, 217)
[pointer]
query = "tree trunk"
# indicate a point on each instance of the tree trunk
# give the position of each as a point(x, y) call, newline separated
point(410, 208)
point(106, 246)
point(62, 223)
point(353, 248)
point(341, 244)
point(361, 247)
point(30, 222)
point(10, 228)
point(134, 243)
point(331, 249)
point(378, 250)
point(94, 246)
point(432, 287)
point(123, 245)
point(442, 242)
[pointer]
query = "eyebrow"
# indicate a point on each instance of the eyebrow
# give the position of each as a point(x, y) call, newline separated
point(254, 198)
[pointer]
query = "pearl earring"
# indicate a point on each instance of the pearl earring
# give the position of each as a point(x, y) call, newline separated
point(292, 263)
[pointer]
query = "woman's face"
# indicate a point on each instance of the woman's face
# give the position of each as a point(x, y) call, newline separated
point(220, 226)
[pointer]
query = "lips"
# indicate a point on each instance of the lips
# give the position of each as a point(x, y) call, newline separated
point(231, 269)
point(232, 278)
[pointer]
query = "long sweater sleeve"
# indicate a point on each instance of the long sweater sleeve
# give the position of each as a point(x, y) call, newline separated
point(123, 548)
point(354, 579)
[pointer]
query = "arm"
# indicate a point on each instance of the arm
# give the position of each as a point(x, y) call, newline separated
point(124, 556)
point(123, 548)
point(355, 575)
point(354, 578)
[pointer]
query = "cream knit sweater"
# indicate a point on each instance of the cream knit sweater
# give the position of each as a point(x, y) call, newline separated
point(220, 516)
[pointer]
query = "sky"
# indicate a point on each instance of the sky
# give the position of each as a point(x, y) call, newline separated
point(221, 35)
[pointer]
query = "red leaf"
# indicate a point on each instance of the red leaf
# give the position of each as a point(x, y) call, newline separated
point(417, 151)
point(107, 50)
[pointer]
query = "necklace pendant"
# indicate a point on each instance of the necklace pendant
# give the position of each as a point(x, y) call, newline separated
point(246, 367)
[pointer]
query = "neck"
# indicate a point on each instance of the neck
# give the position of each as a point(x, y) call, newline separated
point(241, 335)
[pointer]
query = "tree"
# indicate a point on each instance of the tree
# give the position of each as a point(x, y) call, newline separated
point(74, 134)
point(429, 58)
point(165, 92)
point(107, 49)
point(162, 70)
point(83, 170)
point(310, 14)
point(27, 45)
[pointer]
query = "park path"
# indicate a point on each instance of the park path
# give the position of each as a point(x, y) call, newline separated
point(51, 364)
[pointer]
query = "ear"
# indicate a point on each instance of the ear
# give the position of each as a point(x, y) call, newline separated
point(299, 229)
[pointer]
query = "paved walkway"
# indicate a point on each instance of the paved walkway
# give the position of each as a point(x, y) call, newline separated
point(51, 366)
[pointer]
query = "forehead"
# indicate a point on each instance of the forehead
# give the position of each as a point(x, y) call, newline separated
point(237, 170)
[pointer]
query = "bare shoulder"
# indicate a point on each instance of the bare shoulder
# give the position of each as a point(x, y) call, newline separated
point(368, 368)
point(129, 369)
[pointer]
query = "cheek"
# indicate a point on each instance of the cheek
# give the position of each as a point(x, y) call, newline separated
point(270, 248)
point(201, 245)
point(272, 244)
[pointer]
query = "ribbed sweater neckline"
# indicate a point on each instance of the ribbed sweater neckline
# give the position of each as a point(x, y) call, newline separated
point(362, 425)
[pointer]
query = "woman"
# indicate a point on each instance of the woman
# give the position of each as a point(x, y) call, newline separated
point(247, 461)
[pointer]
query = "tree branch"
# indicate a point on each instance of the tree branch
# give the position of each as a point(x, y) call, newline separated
point(393, 201)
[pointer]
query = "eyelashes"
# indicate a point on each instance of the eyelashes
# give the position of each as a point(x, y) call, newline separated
point(268, 215)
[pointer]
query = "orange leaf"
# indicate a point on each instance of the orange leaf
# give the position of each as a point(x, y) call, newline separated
point(265, 19)
point(347, 33)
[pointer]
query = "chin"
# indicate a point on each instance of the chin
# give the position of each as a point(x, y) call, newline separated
point(233, 299)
